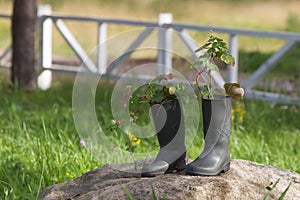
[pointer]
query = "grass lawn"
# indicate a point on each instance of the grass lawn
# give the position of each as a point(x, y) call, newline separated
point(39, 145)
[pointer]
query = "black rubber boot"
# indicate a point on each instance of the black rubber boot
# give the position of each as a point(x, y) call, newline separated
point(215, 157)
point(169, 125)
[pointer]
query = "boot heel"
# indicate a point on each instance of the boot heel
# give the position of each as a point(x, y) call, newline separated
point(177, 168)
point(178, 165)
point(226, 168)
point(181, 165)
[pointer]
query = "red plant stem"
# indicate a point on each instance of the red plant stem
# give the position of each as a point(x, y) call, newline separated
point(198, 77)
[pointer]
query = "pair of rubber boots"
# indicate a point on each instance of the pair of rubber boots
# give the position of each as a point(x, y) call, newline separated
point(169, 123)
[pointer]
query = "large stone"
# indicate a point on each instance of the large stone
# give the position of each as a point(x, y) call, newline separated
point(245, 180)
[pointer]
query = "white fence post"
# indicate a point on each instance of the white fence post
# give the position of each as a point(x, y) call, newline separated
point(102, 48)
point(44, 80)
point(164, 57)
point(232, 73)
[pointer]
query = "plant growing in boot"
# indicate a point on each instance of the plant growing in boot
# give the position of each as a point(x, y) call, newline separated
point(159, 95)
point(216, 111)
point(168, 116)
point(215, 50)
point(168, 121)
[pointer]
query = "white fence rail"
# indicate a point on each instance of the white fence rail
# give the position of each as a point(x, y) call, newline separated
point(164, 26)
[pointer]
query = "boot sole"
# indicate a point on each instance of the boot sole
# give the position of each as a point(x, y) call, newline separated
point(177, 167)
point(224, 169)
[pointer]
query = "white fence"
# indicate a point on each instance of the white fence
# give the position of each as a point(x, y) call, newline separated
point(164, 25)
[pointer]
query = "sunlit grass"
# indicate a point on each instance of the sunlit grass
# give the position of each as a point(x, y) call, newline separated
point(39, 145)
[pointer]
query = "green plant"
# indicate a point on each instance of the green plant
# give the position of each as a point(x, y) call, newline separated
point(128, 194)
point(270, 188)
point(153, 92)
point(156, 92)
point(213, 51)
point(149, 94)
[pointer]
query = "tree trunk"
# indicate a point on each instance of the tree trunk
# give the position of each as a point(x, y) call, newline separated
point(23, 34)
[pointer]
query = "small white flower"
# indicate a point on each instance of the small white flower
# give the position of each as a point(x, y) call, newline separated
point(82, 143)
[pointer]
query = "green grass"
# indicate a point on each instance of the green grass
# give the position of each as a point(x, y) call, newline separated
point(268, 134)
point(39, 145)
point(289, 66)
point(264, 133)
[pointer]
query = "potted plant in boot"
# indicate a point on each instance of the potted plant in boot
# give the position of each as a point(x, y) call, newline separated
point(168, 120)
point(168, 116)
point(216, 110)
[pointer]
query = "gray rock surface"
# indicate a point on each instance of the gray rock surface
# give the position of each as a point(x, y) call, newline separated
point(245, 180)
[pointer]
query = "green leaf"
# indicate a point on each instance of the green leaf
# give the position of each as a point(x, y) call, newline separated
point(267, 197)
point(276, 182)
point(205, 46)
point(219, 39)
point(228, 59)
point(205, 92)
point(158, 97)
point(222, 44)
point(127, 193)
point(153, 193)
point(212, 67)
point(202, 60)
point(284, 192)
point(197, 50)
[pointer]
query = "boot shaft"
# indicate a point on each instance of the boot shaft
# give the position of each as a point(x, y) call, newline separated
point(216, 114)
point(169, 122)
point(215, 157)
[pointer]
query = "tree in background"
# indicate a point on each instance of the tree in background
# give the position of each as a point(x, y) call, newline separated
point(23, 34)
